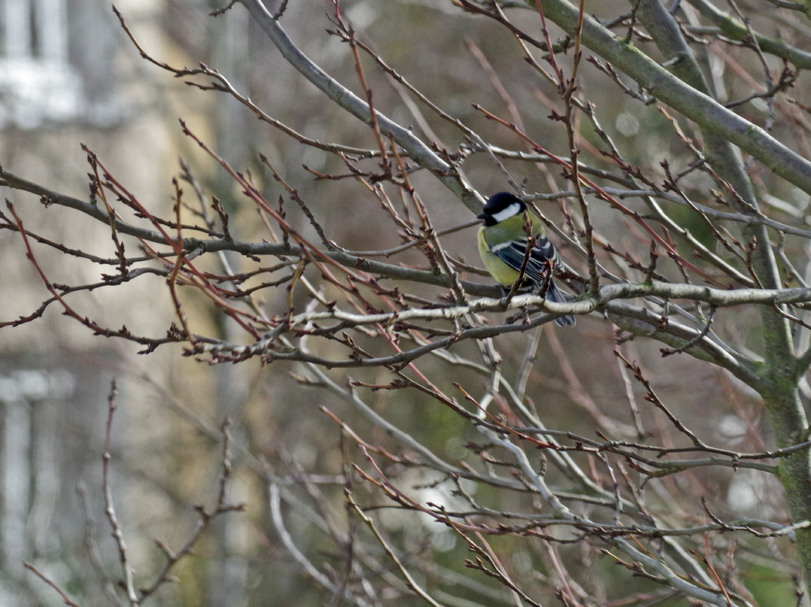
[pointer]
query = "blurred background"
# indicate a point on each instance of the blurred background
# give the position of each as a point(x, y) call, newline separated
point(69, 75)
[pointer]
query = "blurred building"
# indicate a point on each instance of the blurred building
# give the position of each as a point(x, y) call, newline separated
point(69, 75)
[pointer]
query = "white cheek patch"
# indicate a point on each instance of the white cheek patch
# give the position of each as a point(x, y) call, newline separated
point(513, 209)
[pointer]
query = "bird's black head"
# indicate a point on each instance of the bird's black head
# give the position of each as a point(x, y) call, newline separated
point(501, 206)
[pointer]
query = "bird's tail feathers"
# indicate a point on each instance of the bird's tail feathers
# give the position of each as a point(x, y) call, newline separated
point(554, 294)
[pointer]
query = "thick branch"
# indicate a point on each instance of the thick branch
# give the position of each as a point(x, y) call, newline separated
point(699, 107)
point(735, 30)
point(779, 376)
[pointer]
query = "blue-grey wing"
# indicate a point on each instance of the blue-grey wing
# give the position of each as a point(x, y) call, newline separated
point(538, 265)
point(541, 259)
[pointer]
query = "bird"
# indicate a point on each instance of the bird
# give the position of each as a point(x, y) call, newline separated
point(507, 230)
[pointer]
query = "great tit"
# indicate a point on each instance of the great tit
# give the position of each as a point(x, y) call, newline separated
point(503, 240)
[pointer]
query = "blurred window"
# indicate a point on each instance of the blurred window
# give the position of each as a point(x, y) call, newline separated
point(38, 85)
point(32, 403)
